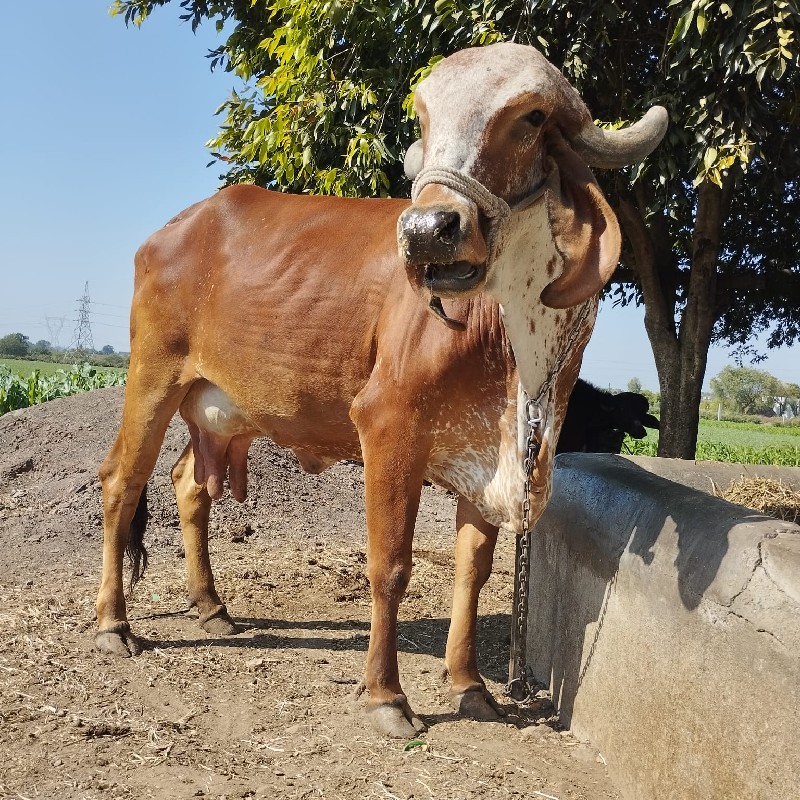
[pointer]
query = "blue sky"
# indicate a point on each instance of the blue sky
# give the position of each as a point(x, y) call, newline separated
point(103, 141)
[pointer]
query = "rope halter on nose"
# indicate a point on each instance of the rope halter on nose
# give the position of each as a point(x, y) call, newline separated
point(494, 208)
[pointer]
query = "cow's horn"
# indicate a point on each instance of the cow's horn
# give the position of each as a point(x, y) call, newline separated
point(412, 163)
point(609, 149)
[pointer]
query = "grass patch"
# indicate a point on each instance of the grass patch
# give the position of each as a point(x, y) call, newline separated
point(746, 434)
point(735, 442)
point(25, 368)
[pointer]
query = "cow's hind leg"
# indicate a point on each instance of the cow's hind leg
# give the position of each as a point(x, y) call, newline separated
point(475, 545)
point(123, 475)
point(194, 507)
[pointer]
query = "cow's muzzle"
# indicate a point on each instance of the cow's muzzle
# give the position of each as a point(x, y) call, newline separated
point(430, 235)
point(438, 245)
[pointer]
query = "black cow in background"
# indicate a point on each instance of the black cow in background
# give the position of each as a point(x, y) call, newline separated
point(597, 421)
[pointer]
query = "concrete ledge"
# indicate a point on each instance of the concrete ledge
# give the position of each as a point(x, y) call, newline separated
point(701, 475)
point(667, 623)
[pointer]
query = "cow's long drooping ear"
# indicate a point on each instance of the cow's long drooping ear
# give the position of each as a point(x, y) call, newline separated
point(584, 228)
point(412, 163)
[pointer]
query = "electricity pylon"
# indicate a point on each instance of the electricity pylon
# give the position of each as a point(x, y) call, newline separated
point(82, 341)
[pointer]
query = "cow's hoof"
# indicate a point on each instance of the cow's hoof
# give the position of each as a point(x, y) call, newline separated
point(121, 643)
point(477, 704)
point(396, 720)
point(220, 624)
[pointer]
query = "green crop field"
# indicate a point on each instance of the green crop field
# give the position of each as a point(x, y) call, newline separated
point(22, 390)
point(739, 442)
point(26, 368)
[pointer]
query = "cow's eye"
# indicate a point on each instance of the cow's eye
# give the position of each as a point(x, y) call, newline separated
point(536, 118)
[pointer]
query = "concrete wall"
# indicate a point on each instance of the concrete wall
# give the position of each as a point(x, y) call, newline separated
point(704, 475)
point(667, 623)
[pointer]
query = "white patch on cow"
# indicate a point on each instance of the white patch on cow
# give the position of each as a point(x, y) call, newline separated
point(490, 477)
point(212, 410)
point(519, 275)
point(453, 139)
point(494, 479)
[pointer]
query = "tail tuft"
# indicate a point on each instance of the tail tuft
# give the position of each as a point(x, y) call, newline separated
point(136, 551)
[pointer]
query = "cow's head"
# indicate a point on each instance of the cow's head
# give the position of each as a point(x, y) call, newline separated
point(629, 413)
point(501, 129)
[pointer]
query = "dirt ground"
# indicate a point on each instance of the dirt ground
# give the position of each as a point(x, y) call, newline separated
point(267, 713)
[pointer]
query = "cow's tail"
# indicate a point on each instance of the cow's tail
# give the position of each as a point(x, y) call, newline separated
point(136, 551)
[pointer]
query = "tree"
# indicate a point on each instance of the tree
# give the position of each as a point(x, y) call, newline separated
point(747, 390)
point(634, 385)
point(107, 350)
point(42, 347)
point(710, 218)
point(15, 344)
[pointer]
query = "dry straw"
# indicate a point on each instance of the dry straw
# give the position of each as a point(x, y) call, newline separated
point(767, 495)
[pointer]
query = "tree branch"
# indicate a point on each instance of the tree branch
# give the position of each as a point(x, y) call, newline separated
point(783, 282)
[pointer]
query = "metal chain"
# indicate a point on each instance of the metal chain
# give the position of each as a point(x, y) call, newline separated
point(519, 687)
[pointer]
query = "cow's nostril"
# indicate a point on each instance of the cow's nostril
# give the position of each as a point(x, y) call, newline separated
point(447, 226)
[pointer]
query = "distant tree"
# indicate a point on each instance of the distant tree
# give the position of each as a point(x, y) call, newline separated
point(15, 344)
point(42, 347)
point(634, 385)
point(710, 219)
point(747, 390)
point(107, 350)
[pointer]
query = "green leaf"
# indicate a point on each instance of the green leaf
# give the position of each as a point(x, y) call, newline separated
point(700, 21)
point(682, 26)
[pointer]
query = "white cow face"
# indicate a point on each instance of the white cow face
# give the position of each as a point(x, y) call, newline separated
point(499, 124)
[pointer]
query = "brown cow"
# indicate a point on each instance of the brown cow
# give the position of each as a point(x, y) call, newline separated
point(263, 314)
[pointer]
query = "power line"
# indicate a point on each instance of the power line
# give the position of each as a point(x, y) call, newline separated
point(110, 305)
point(105, 314)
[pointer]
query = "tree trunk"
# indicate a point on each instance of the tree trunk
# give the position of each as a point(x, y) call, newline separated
point(680, 353)
point(681, 381)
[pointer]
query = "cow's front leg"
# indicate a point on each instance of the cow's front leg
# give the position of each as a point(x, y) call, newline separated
point(475, 545)
point(393, 474)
